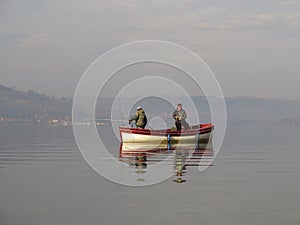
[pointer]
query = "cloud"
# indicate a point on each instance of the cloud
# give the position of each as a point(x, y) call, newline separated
point(262, 20)
point(194, 15)
point(72, 33)
point(234, 22)
point(288, 2)
point(35, 40)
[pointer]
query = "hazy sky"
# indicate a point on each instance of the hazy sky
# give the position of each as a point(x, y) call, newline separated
point(253, 46)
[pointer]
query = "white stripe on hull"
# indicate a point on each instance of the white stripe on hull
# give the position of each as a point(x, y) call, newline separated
point(139, 138)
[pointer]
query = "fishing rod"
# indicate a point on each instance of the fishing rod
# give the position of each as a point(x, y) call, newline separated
point(106, 119)
point(109, 120)
point(121, 114)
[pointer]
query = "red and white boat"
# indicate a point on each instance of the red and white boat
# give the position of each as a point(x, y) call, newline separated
point(195, 134)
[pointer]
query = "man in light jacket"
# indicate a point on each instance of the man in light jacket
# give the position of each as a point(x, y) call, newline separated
point(180, 115)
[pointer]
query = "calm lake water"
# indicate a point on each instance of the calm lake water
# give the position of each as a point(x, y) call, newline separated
point(255, 179)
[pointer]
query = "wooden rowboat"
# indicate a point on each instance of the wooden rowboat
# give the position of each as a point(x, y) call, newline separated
point(195, 134)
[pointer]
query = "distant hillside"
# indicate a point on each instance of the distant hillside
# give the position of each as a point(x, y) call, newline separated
point(243, 110)
point(30, 104)
point(289, 122)
point(252, 109)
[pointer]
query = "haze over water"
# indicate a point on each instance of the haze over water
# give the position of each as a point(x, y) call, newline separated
point(254, 180)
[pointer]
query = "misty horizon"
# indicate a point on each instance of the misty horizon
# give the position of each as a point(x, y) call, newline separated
point(204, 96)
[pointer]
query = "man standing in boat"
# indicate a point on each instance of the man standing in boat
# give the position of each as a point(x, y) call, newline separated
point(140, 118)
point(180, 115)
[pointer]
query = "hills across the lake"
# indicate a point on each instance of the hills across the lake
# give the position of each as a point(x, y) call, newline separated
point(31, 105)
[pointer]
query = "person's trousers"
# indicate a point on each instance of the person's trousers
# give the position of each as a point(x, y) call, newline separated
point(181, 123)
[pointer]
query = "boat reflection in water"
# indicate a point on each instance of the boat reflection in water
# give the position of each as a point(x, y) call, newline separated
point(183, 156)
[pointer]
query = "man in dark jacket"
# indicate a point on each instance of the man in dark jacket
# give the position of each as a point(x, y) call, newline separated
point(180, 115)
point(140, 118)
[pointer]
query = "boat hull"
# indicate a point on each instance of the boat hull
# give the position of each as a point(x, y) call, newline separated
point(154, 147)
point(196, 134)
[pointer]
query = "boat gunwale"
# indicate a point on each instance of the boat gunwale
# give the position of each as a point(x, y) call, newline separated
point(196, 129)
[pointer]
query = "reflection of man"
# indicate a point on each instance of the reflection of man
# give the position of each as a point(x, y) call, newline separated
point(140, 118)
point(180, 115)
point(180, 166)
